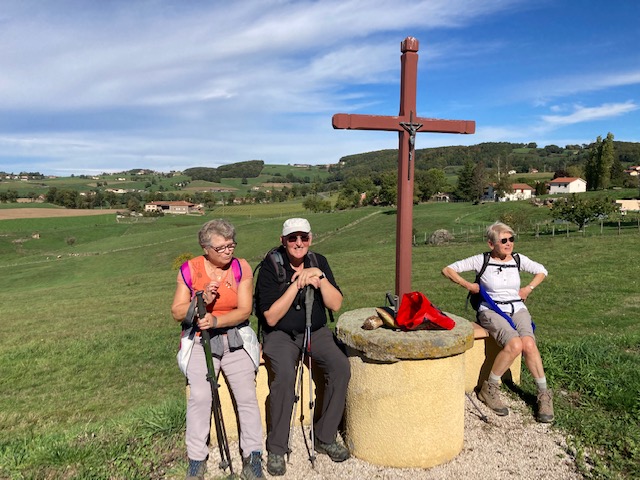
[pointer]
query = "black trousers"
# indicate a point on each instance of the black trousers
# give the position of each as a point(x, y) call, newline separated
point(282, 353)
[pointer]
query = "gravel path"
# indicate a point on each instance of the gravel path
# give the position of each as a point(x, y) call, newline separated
point(508, 447)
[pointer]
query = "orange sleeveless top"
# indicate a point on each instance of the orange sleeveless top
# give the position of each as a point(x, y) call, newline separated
point(228, 289)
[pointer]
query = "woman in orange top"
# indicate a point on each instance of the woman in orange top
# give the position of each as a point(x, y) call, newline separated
point(234, 346)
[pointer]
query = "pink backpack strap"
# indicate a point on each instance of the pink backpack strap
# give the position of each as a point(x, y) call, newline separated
point(237, 269)
point(185, 271)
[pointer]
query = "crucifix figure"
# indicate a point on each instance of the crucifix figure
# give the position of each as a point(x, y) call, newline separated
point(407, 124)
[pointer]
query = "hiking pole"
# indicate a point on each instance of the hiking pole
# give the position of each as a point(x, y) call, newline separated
point(221, 434)
point(483, 417)
point(297, 393)
point(308, 305)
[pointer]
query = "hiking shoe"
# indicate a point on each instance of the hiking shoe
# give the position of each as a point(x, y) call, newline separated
point(335, 451)
point(196, 470)
point(276, 465)
point(252, 466)
point(489, 394)
point(545, 406)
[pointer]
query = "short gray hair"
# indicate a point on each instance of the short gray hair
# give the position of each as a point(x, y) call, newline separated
point(218, 226)
point(495, 229)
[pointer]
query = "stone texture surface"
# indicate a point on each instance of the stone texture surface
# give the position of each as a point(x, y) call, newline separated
point(386, 345)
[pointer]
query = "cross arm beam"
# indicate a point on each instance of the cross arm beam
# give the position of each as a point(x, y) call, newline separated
point(390, 123)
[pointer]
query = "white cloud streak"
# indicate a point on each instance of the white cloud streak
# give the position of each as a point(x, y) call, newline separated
point(587, 114)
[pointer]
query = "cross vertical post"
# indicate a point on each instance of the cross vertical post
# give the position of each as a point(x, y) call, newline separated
point(407, 124)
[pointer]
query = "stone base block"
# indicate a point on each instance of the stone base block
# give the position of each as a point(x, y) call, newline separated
point(405, 414)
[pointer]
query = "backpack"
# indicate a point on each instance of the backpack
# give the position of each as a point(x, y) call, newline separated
point(475, 299)
point(274, 256)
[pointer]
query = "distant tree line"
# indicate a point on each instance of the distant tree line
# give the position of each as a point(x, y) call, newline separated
point(248, 169)
point(369, 178)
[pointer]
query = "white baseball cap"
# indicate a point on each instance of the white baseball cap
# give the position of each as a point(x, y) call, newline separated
point(295, 225)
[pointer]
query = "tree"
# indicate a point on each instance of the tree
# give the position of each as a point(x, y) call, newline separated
point(388, 192)
point(315, 204)
point(617, 173)
point(356, 192)
point(580, 210)
point(591, 166)
point(503, 186)
point(465, 181)
point(597, 169)
point(607, 154)
point(428, 183)
point(478, 181)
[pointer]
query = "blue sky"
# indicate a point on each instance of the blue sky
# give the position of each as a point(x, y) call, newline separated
point(103, 86)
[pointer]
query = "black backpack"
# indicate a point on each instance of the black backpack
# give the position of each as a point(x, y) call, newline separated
point(275, 257)
point(475, 299)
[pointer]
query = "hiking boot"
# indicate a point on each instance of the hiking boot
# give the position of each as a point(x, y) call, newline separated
point(196, 470)
point(489, 394)
point(545, 406)
point(252, 466)
point(335, 451)
point(276, 465)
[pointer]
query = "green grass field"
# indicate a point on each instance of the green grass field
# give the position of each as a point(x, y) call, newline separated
point(89, 387)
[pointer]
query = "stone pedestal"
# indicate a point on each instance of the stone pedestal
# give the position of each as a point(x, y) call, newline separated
point(405, 403)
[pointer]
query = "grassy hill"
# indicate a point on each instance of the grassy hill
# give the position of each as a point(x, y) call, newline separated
point(87, 345)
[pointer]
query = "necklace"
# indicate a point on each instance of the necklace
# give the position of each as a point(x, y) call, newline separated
point(220, 275)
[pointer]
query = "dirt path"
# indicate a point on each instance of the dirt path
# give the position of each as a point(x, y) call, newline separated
point(14, 213)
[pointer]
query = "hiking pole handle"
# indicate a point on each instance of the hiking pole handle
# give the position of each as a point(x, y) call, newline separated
point(200, 304)
point(309, 296)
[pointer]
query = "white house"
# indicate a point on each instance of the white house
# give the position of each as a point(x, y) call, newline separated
point(179, 207)
point(567, 185)
point(521, 191)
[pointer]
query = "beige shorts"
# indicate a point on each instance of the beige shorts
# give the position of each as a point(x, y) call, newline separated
point(500, 329)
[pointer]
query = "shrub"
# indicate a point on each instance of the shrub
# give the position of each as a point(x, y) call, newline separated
point(180, 259)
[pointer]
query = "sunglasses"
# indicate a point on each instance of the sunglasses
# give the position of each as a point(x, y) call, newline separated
point(221, 249)
point(505, 240)
point(294, 238)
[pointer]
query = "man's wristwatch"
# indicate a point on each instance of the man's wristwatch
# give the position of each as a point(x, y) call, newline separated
point(322, 275)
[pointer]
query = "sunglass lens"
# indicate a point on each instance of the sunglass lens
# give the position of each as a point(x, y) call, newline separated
point(294, 238)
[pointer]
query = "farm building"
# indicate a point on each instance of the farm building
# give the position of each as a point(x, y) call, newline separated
point(567, 185)
point(179, 207)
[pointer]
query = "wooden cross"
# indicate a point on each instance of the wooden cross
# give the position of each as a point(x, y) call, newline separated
point(407, 124)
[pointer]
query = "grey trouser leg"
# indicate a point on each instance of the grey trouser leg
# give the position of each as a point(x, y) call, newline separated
point(239, 371)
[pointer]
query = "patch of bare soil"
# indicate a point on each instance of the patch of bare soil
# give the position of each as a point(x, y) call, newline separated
point(14, 213)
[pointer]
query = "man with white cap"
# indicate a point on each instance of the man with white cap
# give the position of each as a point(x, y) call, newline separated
point(280, 308)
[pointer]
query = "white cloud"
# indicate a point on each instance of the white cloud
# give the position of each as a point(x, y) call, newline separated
point(586, 114)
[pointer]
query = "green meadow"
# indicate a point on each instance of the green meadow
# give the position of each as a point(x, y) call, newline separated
point(90, 389)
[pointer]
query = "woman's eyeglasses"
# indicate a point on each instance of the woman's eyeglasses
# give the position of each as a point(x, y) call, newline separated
point(294, 238)
point(505, 240)
point(221, 249)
